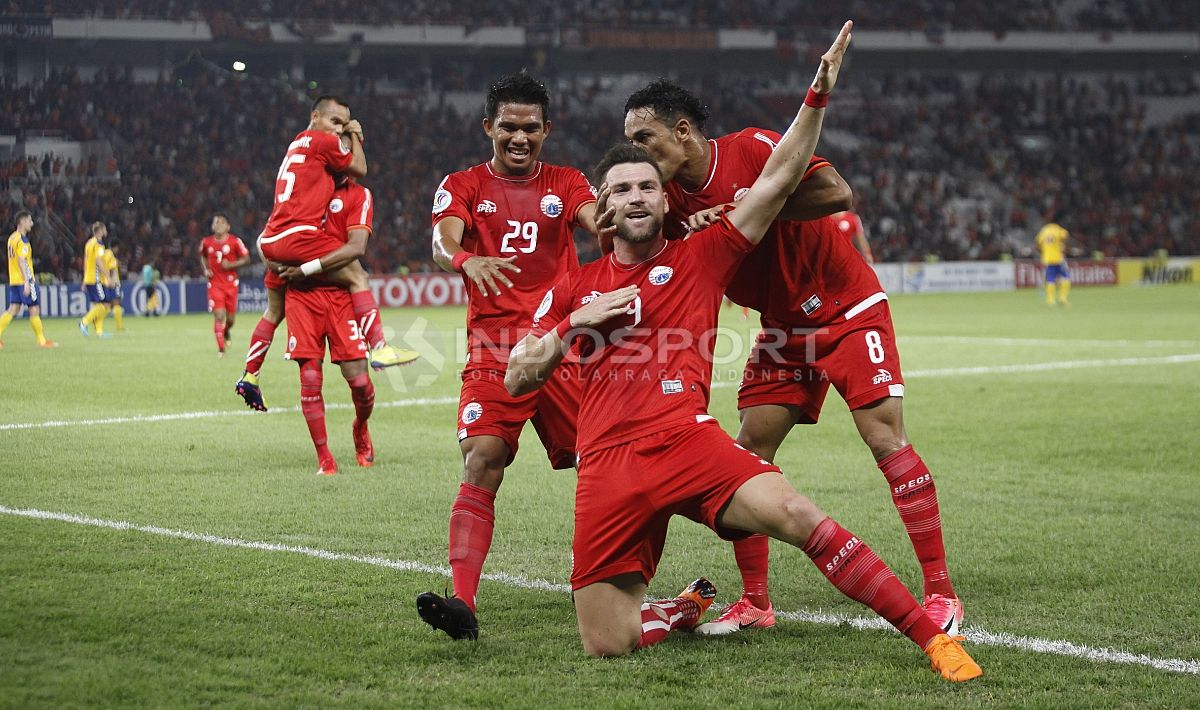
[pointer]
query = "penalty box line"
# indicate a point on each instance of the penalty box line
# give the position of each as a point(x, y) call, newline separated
point(973, 633)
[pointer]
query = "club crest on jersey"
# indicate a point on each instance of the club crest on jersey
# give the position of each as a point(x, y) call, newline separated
point(552, 205)
point(335, 205)
point(441, 200)
point(589, 298)
point(740, 194)
point(472, 412)
point(544, 308)
point(487, 207)
point(291, 343)
point(659, 275)
point(225, 249)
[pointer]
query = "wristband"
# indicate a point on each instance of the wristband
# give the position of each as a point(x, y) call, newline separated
point(309, 268)
point(815, 99)
point(563, 327)
point(457, 260)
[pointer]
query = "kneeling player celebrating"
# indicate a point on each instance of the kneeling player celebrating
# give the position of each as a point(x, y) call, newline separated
point(660, 452)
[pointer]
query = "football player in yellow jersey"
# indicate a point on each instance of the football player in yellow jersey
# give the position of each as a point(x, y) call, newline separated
point(1052, 243)
point(94, 277)
point(113, 281)
point(22, 287)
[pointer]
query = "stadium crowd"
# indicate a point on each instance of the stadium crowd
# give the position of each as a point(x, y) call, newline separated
point(1039, 15)
point(955, 166)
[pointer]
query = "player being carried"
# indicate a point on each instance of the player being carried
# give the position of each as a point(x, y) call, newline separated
point(825, 319)
point(221, 255)
point(507, 226)
point(648, 449)
point(295, 236)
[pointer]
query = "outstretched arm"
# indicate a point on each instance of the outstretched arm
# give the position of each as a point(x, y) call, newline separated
point(785, 168)
point(486, 272)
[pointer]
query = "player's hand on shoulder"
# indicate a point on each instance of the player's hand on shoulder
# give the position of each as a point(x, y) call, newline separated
point(710, 216)
point(604, 307)
point(831, 61)
point(487, 273)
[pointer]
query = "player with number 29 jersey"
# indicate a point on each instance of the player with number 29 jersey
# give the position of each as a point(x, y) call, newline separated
point(530, 217)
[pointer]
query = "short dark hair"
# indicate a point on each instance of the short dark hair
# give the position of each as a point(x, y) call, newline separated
point(222, 215)
point(519, 88)
point(670, 102)
point(618, 154)
point(22, 215)
point(327, 98)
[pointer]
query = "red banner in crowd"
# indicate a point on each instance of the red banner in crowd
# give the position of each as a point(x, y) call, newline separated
point(436, 289)
point(1089, 272)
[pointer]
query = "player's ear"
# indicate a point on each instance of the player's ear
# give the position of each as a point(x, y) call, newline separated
point(682, 130)
point(312, 117)
point(546, 128)
point(487, 126)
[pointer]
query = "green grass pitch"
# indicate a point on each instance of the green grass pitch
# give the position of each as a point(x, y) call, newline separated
point(1063, 443)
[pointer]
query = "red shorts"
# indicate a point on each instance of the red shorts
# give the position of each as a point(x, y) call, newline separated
point(299, 247)
point(857, 356)
point(626, 494)
point(320, 314)
point(273, 280)
point(222, 295)
point(485, 408)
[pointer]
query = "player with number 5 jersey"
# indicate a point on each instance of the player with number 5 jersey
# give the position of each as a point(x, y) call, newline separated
point(507, 225)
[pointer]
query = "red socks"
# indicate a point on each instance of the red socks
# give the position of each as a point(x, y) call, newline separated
point(858, 573)
point(915, 498)
point(471, 522)
point(313, 405)
point(362, 393)
point(219, 334)
point(751, 554)
point(260, 342)
point(367, 313)
point(660, 618)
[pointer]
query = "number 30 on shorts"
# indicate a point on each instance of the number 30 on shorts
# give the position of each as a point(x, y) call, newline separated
point(875, 347)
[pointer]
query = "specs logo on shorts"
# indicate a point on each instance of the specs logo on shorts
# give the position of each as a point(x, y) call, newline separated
point(472, 412)
point(552, 205)
point(811, 305)
point(883, 376)
point(659, 275)
point(487, 207)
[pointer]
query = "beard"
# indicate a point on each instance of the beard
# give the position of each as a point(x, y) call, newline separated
point(653, 227)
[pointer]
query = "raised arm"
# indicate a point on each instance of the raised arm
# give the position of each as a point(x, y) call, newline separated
point(785, 168)
point(358, 164)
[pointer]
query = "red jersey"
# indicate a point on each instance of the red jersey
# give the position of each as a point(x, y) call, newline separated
point(304, 184)
point(532, 218)
point(805, 274)
point(217, 251)
point(351, 207)
point(651, 369)
point(848, 224)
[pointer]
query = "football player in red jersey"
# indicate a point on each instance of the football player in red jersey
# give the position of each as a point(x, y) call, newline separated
point(825, 320)
point(507, 226)
point(850, 225)
point(645, 316)
point(221, 255)
point(295, 235)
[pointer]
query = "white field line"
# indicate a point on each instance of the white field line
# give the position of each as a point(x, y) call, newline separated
point(1030, 367)
point(416, 402)
point(1073, 342)
point(973, 634)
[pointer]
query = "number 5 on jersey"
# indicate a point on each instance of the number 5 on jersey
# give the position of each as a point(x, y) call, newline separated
point(288, 176)
point(520, 230)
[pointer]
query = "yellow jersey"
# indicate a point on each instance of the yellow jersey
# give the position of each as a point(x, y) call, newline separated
point(1052, 242)
point(110, 265)
point(93, 263)
point(20, 260)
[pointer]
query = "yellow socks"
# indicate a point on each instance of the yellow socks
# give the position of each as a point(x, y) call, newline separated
point(1064, 289)
point(35, 322)
point(4, 321)
point(119, 317)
